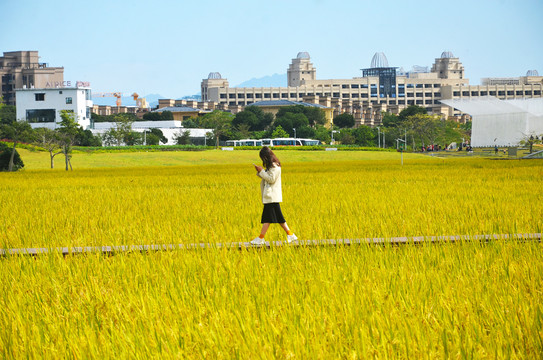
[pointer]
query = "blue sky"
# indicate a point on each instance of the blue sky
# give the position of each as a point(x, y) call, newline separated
point(167, 46)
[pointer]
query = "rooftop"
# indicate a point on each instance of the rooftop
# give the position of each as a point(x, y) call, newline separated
point(286, 103)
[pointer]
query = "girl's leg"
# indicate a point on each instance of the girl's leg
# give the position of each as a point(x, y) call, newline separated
point(265, 228)
point(285, 227)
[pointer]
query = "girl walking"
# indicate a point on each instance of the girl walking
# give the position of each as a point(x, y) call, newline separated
point(270, 187)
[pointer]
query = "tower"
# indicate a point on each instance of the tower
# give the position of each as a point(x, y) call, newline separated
point(301, 69)
point(448, 67)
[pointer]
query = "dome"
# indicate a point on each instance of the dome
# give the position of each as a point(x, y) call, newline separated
point(379, 60)
point(532, 73)
point(447, 55)
point(214, 75)
point(302, 55)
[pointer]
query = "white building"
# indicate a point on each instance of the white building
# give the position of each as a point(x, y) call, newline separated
point(501, 122)
point(42, 107)
point(170, 129)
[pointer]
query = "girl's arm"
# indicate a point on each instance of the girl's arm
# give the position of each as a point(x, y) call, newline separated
point(271, 175)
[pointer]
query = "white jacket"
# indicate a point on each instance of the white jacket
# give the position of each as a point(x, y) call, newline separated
point(270, 186)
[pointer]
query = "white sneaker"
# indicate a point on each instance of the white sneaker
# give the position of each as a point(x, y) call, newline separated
point(291, 238)
point(258, 241)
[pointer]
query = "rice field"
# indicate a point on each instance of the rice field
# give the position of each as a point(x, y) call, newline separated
point(465, 300)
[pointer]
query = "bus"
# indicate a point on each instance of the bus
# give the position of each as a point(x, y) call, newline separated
point(273, 142)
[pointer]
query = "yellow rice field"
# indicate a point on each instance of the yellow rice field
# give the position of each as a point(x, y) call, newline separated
point(463, 300)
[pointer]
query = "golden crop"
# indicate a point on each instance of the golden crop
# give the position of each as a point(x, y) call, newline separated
point(463, 300)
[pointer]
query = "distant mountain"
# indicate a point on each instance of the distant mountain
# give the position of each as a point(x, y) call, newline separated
point(152, 100)
point(275, 80)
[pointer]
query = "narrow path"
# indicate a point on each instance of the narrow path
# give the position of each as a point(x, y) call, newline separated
point(268, 245)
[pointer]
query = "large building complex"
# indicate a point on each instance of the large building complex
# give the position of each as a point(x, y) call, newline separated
point(381, 88)
point(22, 69)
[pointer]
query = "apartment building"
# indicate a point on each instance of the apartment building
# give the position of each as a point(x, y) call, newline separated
point(22, 69)
point(381, 88)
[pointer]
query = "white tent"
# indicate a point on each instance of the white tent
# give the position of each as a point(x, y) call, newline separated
point(501, 122)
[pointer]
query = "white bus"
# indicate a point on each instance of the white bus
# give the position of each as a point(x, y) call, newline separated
point(273, 142)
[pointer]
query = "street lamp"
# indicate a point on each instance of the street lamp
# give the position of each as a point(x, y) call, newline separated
point(379, 135)
point(294, 132)
point(333, 131)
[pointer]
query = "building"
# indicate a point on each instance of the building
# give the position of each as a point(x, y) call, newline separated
point(22, 69)
point(381, 88)
point(501, 122)
point(42, 107)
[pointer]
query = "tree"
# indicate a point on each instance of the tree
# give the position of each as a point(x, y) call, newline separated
point(322, 134)
point(182, 137)
point(191, 123)
point(8, 114)
point(220, 122)
point(290, 121)
point(247, 118)
point(425, 127)
point(121, 133)
point(49, 140)
point(315, 116)
point(67, 132)
point(344, 120)
point(410, 111)
point(6, 159)
point(159, 134)
point(17, 131)
point(86, 138)
point(279, 132)
point(158, 115)
point(390, 120)
point(363, 136)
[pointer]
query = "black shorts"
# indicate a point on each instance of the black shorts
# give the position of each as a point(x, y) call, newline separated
point(272, 214)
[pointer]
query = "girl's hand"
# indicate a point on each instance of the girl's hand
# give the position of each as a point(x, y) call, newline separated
point(258, 168)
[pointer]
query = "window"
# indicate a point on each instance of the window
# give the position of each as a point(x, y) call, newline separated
point(258, 96)
point(276, 96)
point(410, 102)
point(364, 95)
point(427, 85)
point(428, 94)
point(267, 96)
point(345, 96)
point(409, 94)
point(68, 100)
point(437, 94)
point(456, 93)
point(249, 96)
point(354, 86)
point(474, 93)
point(437, 102)
point(483, 93)
point(40, 115)
point(501, 93)
point(436, 85)
point(428, 102)
point(364, 86)
point(419, 94)
point(344, 86)
point(39, 96)
point(409, 85)
point(301, 95)
point(528, 92)
point(232, 103)
point(510, 92)
point(292, 95)
point(284, 96)
point(492, 93)
point(419, 86)
point(537, 92)
point(519, 92)
point(354, 95)
point(401, 102)
point(336, 95)
point(419, 102)
point(465, 93)
point(223, 96)
point(241, 96)
point(231, 96)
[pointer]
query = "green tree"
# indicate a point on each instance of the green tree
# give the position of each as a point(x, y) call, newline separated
point(390, 120)
point(247, 118)
point(159, 134)
point(315, 116)
point(424, 127)
point(50, 141)
point(8, 114)
point(121, 133)
point(410, 111)
point(67, 133)
point(363, 136)
point(182, 137)
point(87, 138)
point(191, 123)
point(279, 132)
point(290, 121)
point(322, 134)
point(220, 122)
point(9, 162)
point(17, 131)
point(344, 120)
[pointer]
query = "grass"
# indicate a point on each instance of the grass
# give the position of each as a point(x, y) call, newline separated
point(464, 300)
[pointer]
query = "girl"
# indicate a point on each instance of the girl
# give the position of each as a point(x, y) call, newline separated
point(270, 187)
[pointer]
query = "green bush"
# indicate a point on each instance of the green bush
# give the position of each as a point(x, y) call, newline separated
point(5, 155)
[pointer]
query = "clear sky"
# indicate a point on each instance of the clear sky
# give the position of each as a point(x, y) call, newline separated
point(167, 47)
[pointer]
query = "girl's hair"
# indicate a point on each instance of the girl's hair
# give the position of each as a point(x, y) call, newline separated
point(268, 158)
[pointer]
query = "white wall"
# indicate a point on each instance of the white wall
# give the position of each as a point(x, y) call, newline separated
point(169, 132)
point(55, 99)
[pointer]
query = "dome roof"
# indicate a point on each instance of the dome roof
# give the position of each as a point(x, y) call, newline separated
point(532, 73)
point(214, 75)
point(447, 55)
point(302, 55)
point(379, 60)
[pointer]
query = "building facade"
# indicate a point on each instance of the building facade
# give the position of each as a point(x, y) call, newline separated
point(381, 88)
point(22, 69)
point(42, 107)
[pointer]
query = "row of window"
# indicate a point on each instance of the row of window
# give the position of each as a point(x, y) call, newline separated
point(41, 97)
point(374, 102)
point(500, 93)
point(335, 95)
